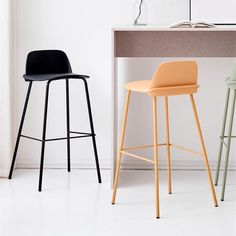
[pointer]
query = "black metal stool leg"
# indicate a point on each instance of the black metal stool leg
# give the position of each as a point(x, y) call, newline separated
point(68, 123)
point(43, 137)
point(20, 129)
point(92, 131)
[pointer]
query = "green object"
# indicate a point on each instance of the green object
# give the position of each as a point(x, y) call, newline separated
point(231, 84)
point(231, 81)
point(222, 136)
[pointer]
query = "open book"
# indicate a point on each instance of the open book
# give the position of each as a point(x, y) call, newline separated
point(189, 24)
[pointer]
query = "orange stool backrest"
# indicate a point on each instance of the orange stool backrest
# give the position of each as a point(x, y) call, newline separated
point(176, 73)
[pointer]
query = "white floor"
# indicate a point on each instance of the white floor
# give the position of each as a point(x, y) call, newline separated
point(75, 204)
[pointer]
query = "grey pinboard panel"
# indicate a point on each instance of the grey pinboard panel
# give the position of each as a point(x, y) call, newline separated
point(171, 43)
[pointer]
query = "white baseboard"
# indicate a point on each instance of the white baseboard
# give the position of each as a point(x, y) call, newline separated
point(129, 164)
point(4, 173)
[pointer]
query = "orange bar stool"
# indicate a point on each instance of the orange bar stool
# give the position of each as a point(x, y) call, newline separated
point(171, 78)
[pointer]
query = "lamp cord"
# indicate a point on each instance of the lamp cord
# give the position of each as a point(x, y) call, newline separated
point(140, 11)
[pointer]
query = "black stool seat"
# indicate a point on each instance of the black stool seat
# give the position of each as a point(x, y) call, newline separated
point(45, 77)
point(52, 65)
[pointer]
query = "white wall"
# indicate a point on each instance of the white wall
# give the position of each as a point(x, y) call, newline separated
point(214, 11)
point(5, 121)
point(82, 28)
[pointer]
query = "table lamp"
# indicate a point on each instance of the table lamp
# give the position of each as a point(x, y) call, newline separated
point(140, 13)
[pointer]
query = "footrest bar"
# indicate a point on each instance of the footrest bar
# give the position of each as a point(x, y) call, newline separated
point(75, 132)
point(138, 157)
point(36, 139)
point(186, 149)
point(55, 139)
point(140, 147)
point(225, 136)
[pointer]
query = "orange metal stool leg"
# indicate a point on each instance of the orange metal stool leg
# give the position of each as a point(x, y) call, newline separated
point(121, 147)
point(156, 157)
point(203, 150)
point(168, 146)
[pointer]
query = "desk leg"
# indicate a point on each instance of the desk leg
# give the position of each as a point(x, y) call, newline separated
point(113, 109)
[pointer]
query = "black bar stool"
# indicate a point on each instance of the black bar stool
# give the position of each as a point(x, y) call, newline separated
point(51, 65)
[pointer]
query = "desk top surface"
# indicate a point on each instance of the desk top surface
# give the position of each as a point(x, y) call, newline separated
point(158, 28)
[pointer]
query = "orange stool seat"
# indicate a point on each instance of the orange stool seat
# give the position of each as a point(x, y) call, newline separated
point(144, 86)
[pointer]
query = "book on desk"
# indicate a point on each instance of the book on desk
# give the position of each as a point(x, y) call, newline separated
point(189, 24)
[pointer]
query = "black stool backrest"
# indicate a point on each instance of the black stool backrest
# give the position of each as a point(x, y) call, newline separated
point(47, 62)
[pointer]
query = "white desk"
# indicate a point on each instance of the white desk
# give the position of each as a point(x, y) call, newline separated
point(165, 42)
